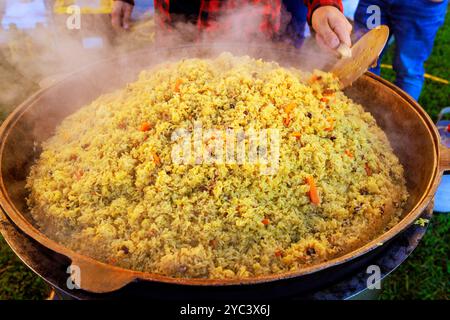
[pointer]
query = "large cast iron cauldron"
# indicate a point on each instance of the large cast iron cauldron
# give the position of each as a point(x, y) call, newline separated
point(410, 130)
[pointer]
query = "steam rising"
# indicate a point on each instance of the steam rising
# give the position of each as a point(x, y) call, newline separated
point(42, 56)
point(46, 54)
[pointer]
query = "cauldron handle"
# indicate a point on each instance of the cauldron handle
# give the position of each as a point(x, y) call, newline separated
point(98, 277)
point(445, 158)
point(445, 151)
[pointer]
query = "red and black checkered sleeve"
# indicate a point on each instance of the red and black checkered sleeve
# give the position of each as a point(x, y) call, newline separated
point(314, 4)
point(208, 12)
point(162, 8)
point(210, 9)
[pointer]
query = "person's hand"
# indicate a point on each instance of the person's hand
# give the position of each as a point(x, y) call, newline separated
point(121, 13)
point(331, 27)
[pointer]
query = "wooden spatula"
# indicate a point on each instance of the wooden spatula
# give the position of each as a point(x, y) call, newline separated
point(364, 54)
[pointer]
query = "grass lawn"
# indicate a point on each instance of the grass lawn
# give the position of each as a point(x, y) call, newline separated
point(425, 275)
point(16, 280)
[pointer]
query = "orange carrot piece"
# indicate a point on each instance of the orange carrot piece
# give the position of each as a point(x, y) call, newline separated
point(348, 153)
point(331, 122)
point(265, 221)
point(296, 134)
point(145, 126)
point(213, 243)
point(313, 193)
point(178, 83)
point(368, 169)
point(79, 174)
point(315, 78)
point(278, 253)
point(287, 120)
point(289, 107)
point(156, 159)
point(328, 92)
point(323, 99)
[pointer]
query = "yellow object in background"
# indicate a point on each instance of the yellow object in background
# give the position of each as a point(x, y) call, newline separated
point(86, 6)
point(426, 75)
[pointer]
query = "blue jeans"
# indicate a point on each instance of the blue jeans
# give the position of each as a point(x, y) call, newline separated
point(297, 26)
point(414, 24)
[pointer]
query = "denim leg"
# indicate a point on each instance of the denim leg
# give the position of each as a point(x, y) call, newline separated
point(297, 25)
point(414, 24)
point(361, 17)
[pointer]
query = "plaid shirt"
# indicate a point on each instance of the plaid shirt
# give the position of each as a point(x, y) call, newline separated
point(211, 9)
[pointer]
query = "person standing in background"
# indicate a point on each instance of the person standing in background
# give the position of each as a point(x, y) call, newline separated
point(414, 24)
point(325, 16)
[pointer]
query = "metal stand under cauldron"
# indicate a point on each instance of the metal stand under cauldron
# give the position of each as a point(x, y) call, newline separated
point(53, 267)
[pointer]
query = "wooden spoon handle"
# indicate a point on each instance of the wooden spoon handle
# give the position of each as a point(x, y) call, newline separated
point(344, 51)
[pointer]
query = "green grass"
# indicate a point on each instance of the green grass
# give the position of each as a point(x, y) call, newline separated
point(424, 275)
point(16, 280)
